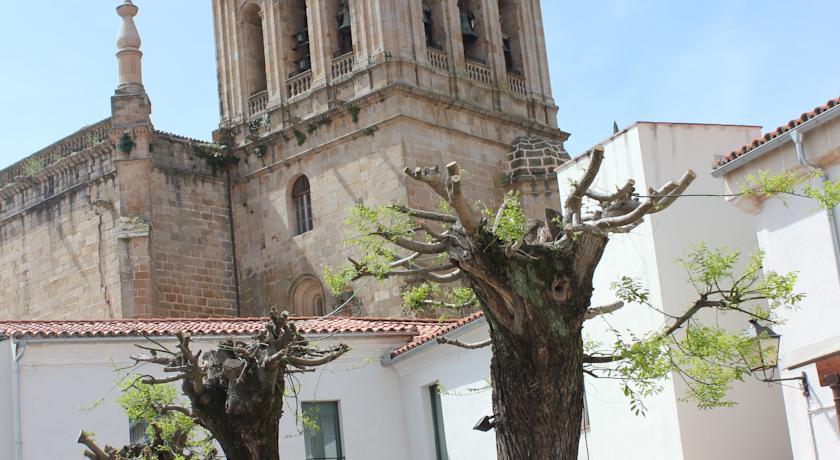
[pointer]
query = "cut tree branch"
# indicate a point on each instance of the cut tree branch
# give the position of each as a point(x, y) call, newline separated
point(427, 215)
point(619, 194)
point(602, 310)
point(94, 451)
point(468, 346)
point(575, 199)
point(457, 200)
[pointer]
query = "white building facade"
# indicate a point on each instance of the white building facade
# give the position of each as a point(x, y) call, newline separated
point(653, 154)
point(798, 235)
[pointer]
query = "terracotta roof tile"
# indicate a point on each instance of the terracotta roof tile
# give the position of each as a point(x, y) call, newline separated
point(427, 334)
point(419, 331)
point(776, 133)
point(212, 326)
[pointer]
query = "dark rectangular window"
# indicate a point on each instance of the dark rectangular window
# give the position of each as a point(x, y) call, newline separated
point(437, 423)
point(137, 432)
point(322, 432)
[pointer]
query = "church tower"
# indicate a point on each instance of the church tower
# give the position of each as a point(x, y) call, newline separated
point(324, 101)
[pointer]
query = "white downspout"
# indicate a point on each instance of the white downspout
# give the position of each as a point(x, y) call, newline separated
point(797, 136)
point(17, 353)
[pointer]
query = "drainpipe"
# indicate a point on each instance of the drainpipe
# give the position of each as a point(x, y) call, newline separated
point(17, 353)
point(797, 136)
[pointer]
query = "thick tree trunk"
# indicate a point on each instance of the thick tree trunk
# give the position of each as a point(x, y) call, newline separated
point(537, 395)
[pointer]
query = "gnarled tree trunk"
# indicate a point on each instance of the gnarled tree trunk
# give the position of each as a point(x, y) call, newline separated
point(537, 362)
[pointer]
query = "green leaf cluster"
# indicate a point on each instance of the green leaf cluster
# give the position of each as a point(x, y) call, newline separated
point(142, 403)
point(508, 223)
point(827, 193)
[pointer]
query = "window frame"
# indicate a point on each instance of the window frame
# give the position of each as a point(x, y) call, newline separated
point(438, 424)
point(302, 205)
point(339, 441)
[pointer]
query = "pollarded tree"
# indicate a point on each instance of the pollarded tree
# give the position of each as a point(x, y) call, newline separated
point(236, 390)
point(534, 283)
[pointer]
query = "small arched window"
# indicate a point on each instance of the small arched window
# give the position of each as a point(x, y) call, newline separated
point(302, 203)
point(308, 297)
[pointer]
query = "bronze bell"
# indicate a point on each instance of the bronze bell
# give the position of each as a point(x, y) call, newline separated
point(343, 17)
point(468, 28)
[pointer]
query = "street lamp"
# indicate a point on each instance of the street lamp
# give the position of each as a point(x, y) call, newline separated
point(761, 356)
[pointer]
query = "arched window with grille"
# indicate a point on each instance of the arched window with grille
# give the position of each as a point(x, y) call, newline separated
point(302, 203)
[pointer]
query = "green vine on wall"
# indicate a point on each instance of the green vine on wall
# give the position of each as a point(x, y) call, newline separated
point(217, 156)
point(126, 144)
point(299, 136)
point(354, 113)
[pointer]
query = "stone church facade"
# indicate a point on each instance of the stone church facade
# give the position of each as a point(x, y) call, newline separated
point(322, 104)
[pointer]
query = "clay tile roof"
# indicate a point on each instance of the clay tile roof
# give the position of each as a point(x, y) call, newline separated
point(776, 133)
point(427, 334)
point(419, 331)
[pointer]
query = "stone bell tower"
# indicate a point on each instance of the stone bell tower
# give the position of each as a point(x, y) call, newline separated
point(324, 101)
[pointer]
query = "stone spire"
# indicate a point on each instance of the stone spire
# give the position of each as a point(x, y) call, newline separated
point(128, 51)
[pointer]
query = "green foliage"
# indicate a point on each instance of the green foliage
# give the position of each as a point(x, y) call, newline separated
point(33, 165)
point(216, 156)
point(142, 402)
point(708, 359)
point(311, 129)
point(338, 280)
point(414, 298)
point(299, 136)
point(126, 144)
point(354, 113)
point(509, 221)
point(827, 193)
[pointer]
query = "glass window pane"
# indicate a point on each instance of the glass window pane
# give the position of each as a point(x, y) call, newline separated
point(322, 433)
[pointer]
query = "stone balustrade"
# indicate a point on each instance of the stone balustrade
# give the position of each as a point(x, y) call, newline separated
point(438, 59)
point(479, 72)
point(342, 65)
point(299, 84)
point(257, 102)
point(517, 84)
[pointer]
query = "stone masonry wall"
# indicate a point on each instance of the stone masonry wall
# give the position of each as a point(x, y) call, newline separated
point(346, 162)
point(191, 250)
point(58, 252)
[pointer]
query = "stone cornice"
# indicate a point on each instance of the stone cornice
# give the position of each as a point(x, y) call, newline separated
point(73, 143)
point(407, 90)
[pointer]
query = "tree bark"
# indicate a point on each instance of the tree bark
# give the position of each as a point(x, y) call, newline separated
point(537, 397)
point(536, 305)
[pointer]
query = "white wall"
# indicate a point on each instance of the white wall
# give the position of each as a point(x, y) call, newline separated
point(614, 431)
point(7, 421)
point(58, 377)
point(457, 371)
point(668, 151)
point(652, 154)
point(797, 237)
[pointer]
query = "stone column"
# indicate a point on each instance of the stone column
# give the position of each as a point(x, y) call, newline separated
point(319, 41)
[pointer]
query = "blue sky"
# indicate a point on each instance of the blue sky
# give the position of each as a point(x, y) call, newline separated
point(745, 62)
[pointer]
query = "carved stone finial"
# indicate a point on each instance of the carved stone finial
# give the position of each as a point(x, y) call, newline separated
point(128, 51)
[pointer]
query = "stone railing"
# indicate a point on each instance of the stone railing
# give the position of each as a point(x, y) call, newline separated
point(257, 102)
point(299, 84)
point(517, 84)
point(479, 72)
point(87, 137)
point(438, 59)
point(342, 65)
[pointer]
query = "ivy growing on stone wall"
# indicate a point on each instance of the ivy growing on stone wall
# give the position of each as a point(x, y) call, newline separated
point(126, 144)
point(299, 136)
point(354, 113)
point(217, 156)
